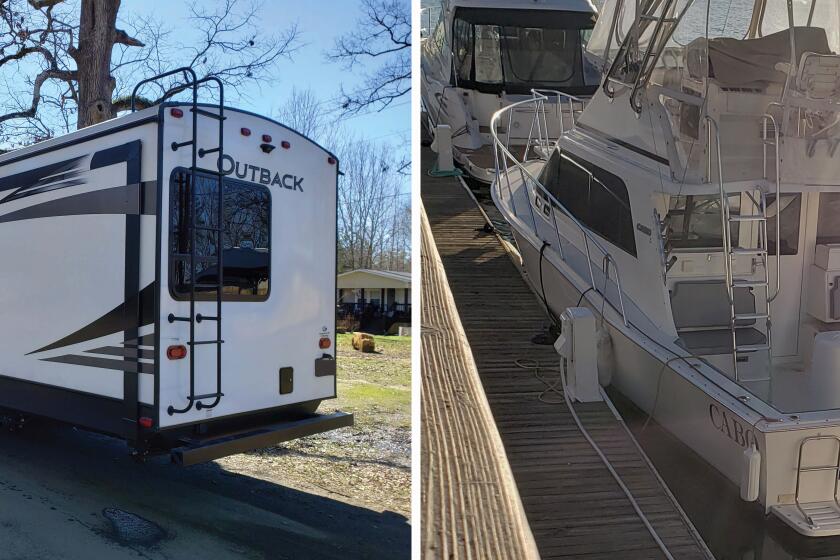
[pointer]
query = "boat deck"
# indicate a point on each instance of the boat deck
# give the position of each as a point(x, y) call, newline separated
point(484, 156)
point(573, 506)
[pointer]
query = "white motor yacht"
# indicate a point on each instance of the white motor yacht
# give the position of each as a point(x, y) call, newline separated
point(482, 55)
point(694, 207)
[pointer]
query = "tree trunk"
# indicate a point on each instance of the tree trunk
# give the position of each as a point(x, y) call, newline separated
point(97, 31)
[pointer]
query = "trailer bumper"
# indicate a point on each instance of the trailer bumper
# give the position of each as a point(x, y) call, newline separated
point(202, 450)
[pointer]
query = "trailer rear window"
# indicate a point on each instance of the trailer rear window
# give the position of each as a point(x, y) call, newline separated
point(246, 233)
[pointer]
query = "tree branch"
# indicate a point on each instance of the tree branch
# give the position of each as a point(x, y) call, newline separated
point(382, 35)
point(36, 94)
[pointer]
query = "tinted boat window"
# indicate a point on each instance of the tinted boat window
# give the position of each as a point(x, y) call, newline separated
point(246, 238)
point(463, 50)
point(694, 221)
point(594, 196)
point(828, 220)
point(788, 220)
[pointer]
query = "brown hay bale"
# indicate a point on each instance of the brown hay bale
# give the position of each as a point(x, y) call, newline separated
point(363, 342)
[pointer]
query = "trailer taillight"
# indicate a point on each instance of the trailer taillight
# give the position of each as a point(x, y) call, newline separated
point(177, 113)
point(331, 160)
point(176, 352)
point(324, 343)
point(145, 422)
point(285, 145)
point(245, 131)
point(266, 138)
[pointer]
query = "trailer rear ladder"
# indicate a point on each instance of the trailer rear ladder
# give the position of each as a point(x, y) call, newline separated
point(192, 82)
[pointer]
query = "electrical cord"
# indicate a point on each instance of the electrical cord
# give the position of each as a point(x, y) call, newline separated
point(583, 294)
point(551, 314)
point(553, 387)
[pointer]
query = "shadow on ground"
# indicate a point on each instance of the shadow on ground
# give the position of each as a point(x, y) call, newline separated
point(67, 493)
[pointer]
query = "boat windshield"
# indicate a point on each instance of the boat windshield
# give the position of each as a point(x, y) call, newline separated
point(771, 16)
point(517, 50)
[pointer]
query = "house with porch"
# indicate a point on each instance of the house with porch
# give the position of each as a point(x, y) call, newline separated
point(376, 298)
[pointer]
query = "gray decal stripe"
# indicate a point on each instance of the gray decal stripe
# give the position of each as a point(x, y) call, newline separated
point(123, 352)
point(116, 320)
point(104, 363)
point(50, 187)
point(145, 340)
point(116, 200)
point(27, 179)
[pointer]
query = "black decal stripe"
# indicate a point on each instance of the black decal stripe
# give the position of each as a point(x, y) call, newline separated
point(77, 138)
point(145, 340)
point(103, 363)
point(641, 151)
point(128, 153)
point(133, 311)
point(124, 352)
point(116, 200)
point(27, 179)
point(112, 322)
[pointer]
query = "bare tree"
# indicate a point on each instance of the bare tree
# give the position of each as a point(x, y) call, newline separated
point(372, 208)
point(381, 39)
point(374, 212)
point(304, 112)
point(57, 62)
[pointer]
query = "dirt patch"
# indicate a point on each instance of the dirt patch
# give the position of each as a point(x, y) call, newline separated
point(368, 464)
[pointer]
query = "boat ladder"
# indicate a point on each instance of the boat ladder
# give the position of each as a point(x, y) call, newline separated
point(819, 514)
point(817, 518)
point(759, 250)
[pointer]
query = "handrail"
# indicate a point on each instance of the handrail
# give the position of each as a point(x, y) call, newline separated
point(539, 97)
point(764, 119)
point(188, 73)
point(724, 201)
point(503, 156)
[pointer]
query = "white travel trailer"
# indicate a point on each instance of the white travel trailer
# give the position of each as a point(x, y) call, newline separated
point(169, 277)
point(693, 207)
point(484, 55)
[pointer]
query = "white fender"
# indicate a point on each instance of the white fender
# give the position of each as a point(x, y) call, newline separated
point(750, 473)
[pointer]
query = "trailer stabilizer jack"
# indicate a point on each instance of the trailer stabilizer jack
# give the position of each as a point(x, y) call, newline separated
point(196, 450)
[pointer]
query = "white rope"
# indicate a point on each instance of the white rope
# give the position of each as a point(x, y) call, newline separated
point(552, 387)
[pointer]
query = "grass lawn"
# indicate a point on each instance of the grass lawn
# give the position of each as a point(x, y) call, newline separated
point(368, 464)
point(375, 387)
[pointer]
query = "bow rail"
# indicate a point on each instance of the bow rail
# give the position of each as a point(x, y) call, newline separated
point(506, 163)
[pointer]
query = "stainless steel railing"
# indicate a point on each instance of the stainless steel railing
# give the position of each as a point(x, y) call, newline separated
point(506, 164)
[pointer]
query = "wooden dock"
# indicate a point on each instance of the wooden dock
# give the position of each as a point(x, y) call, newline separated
point(573, 506)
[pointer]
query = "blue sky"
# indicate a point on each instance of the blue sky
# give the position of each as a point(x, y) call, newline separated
point(319, 26)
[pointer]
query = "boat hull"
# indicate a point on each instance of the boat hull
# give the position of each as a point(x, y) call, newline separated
point(692, 413)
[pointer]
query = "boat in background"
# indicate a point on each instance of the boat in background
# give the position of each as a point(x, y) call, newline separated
point(693, 207)
point(482, 55)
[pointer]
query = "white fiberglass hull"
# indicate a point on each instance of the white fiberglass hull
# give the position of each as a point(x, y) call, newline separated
point(702, 413)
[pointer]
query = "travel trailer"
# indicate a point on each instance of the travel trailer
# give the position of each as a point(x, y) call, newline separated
point(169, 278)
point(693, 207)
point(483, 55)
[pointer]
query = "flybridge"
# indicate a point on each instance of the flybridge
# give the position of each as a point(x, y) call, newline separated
point(257, 174)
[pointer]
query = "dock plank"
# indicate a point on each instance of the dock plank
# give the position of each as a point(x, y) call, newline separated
point(573, 506)
point(470, 505)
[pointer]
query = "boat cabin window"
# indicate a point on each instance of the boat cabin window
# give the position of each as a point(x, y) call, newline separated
point(694, 221)
point(464, 50)
point(517, 50)
point(788, 221)
point(595, 197)
point(828, 219)
point(246, 238)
